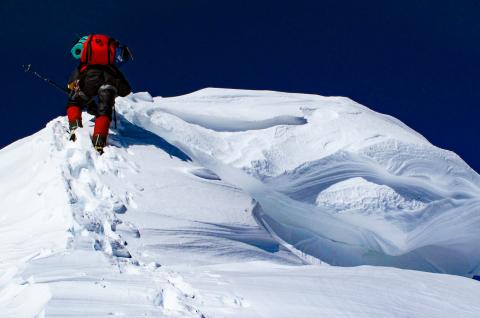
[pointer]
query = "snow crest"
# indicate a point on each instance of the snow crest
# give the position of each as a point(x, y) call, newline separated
point(228, 203)
point(418, 206)
point(361, 196)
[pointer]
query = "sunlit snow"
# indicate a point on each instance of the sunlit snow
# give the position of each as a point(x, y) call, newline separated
point(234, 203)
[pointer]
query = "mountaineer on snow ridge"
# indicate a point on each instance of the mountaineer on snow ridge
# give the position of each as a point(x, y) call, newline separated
point(96, 75)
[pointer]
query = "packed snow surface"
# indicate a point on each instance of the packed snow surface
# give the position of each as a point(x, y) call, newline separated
point(360, 196)
point(233, 203)
point(410, 204)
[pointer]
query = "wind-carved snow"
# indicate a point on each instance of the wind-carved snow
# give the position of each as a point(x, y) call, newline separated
point(365, 198)
point(105, 225)
point(436, 224)
point(189, 217)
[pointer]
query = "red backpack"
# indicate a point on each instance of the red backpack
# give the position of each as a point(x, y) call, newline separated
point(99, 49)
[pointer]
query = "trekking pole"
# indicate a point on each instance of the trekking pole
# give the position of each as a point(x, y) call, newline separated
point(115, 116)
point(28, 68)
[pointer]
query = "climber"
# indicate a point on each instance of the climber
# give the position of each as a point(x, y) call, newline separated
point(96, 75)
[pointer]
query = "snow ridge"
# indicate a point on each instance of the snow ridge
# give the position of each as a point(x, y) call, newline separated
point(235, 212)
point(288, 167)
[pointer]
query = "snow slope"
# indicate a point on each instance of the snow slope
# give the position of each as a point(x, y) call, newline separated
point(431, 218)
point(233, 212)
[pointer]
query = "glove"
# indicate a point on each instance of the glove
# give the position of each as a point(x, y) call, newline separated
point(73, 86)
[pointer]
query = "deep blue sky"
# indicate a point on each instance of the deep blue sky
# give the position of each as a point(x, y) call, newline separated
point(416, 60)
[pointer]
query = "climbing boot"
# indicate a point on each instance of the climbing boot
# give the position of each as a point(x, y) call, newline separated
point(99, 142)
point(73, 125)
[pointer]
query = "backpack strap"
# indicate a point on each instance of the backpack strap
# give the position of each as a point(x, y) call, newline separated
point(89, 49)
point(109, 44)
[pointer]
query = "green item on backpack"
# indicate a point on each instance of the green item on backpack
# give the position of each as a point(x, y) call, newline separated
point(78, 47)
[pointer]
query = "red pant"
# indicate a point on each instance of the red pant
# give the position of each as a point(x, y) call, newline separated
point(101, 122)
